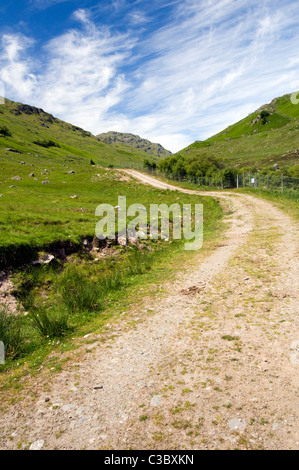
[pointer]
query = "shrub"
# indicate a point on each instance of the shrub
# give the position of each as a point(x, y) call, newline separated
point(78, 292)
point(10, 334)
point(52, 324)
point(112, 281)
point(229, 178)
point(149, 165)
point(46, 143)
point(138, 263)
point(4, 132)
point(264, 115)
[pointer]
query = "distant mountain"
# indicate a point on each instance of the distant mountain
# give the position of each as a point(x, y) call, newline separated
point(135, 142)
point(268, 136)
point(29, 130)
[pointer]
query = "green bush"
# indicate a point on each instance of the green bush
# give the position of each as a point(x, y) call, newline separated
point(52, 324)
point(4, 132)
point(46, 143)
point(10, 334)
point(137, 263)
point(112, 281)
point(79, 293)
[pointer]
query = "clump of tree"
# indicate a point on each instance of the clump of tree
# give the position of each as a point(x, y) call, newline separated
point(264, 115)
point(191, 168)
point(149, 165)
point(4, 132)
point(46, 143)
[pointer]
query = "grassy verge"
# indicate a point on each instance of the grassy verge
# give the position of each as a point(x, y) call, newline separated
point(65, 301)
point(285, 202)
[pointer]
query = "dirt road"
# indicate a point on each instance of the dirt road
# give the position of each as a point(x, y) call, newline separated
point(212, 361)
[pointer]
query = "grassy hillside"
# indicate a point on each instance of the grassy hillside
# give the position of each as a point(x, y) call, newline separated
point(266, 137)
point(60, 299)
point(49, 188)
point(134, 142)
point(49, 191)
point(31, 131)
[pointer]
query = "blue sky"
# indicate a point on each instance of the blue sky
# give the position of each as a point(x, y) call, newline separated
point(172, 71)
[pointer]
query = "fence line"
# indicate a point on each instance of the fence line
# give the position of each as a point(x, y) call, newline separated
point(270, 182)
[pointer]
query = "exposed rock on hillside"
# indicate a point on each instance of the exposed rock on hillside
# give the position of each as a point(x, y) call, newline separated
point(134, 141)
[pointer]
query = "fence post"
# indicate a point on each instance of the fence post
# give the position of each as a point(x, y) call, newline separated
point(237, 181)
point(282, 184)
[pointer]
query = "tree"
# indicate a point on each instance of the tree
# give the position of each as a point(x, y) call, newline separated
point(229, 178)
point(4, 132)
point(264, 115)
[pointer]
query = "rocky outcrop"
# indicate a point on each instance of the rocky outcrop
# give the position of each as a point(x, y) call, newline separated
point(134, 141)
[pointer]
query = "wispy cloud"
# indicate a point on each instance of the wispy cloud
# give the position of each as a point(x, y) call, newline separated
point(78, 78)
point(184, 69)
point(213, 64)
point(43, 4)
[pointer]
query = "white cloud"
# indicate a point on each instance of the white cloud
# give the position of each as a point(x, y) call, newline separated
point(15, 71)
point(78, 80)
point(207, 66)
point(43, 4)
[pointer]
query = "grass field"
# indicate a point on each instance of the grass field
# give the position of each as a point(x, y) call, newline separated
point(57, 301)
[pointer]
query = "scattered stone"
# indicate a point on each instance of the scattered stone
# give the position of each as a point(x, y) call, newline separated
point(1, 195)
point(22, 163)
point(37, 445)
point(13, 186)
point(295, 354)
point(156, 400)
point(12, 150)
point(16, 178)
point(74, 197)
point(71, 172)
point(98, 387)
point(193, 290)
point(46, 182)
point(69, 407)
point(237, 424)
point(132, 240)
point(47, 259)
point(122, 241)
point(31, 175)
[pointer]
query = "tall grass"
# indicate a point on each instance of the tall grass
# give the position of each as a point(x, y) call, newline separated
point(138, 262)
point(52, 324)
point(10, 334)
point(78, 292)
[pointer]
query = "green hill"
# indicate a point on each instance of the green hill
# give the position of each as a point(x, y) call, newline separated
point(32, 131)
point(266, 137)
point(52, 179)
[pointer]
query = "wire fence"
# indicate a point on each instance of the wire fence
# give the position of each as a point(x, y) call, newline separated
point(272, 182)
